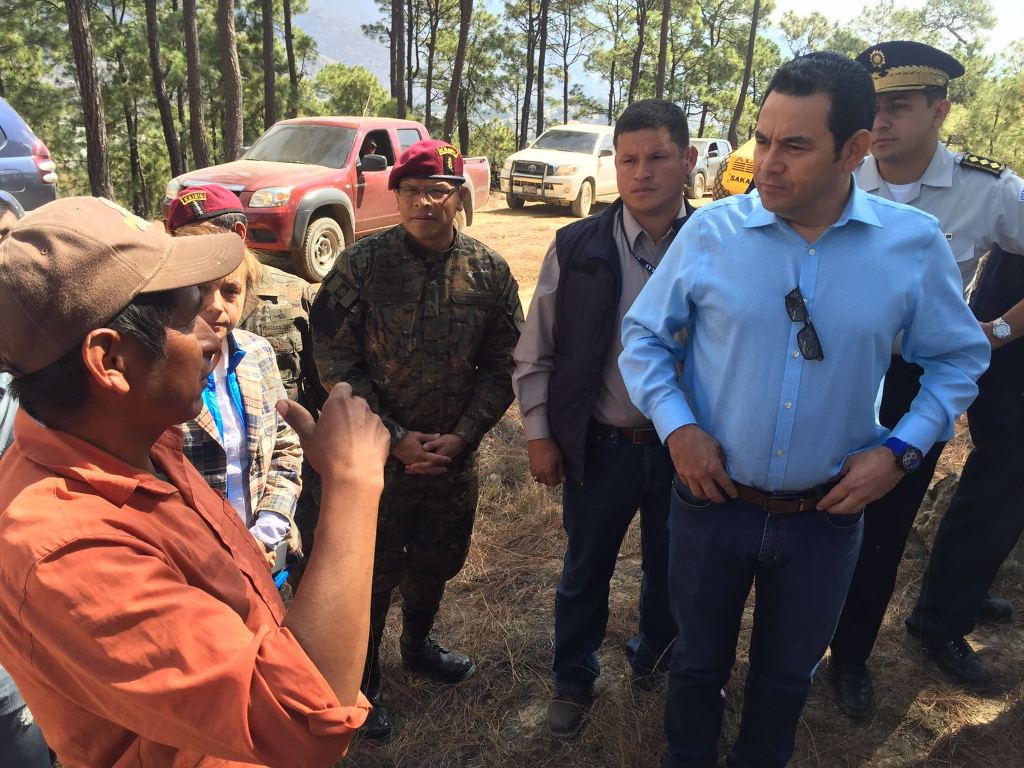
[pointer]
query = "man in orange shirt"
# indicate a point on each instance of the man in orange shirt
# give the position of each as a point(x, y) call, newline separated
point(137, 616)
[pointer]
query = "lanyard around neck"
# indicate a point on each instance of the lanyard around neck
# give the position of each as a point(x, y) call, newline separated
point(629, 246)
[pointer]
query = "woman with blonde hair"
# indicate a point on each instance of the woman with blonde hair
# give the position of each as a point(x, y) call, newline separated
point(239, 442)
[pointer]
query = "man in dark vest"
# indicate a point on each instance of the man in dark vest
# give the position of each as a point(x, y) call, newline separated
point(583, 430)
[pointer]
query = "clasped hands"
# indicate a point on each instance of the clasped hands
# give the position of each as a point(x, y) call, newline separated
point(428, 454)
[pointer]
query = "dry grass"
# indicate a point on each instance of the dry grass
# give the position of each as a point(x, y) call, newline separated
point(499, 609)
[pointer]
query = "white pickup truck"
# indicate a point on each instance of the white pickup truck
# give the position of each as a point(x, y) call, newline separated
point(569, 165)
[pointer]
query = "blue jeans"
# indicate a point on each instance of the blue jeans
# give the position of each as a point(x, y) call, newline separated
point(21, 741)
point(802, 564)
point(619, 478)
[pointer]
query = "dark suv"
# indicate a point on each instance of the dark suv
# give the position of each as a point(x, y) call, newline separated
point(26, 169)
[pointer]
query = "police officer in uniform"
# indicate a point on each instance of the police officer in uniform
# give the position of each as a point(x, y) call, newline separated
point(421, 320)
point(978, 202)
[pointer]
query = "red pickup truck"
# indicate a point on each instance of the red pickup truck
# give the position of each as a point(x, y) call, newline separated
point(312, 185)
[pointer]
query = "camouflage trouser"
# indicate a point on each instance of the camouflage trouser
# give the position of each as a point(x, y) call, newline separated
point(423, 531)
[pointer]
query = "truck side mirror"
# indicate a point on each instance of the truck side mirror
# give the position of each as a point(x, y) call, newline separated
point(606, 153)
point(372, 163)
point(712, 153)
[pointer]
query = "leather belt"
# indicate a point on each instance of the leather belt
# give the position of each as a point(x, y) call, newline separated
point(784, 503)
point(646, 436)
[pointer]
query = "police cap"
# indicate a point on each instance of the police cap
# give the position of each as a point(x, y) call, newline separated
point(903, 65)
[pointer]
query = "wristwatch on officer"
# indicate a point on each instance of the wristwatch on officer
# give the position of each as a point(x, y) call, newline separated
point(908, 458)
point(1001, 329)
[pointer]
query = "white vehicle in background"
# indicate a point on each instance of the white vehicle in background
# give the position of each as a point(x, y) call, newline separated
point(569, 165)
point(710, 154)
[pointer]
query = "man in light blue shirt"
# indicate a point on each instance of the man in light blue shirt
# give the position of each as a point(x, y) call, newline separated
point(792, 298)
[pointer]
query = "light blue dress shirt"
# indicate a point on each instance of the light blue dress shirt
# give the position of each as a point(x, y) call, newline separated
point(786, 423)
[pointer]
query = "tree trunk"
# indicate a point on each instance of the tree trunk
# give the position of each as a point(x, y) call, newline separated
point(410, 36)
point(97, 160)
point(179, 102)
point(131, 121)
point(196, 116)
point(747, 66)
point(565, 93)
point(394, 78)
point(531, 41)
point(231, 82)
point(293, 74)
point(162, 101)
point(269, 76)
point(463, 120)
point(666, 13)
point(611, 93)
point(434, 20)
point(398, 35)
point(542, 45)
point(454, 92)
point(641, 30)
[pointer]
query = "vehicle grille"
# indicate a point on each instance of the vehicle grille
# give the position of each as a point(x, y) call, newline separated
point(530, 168)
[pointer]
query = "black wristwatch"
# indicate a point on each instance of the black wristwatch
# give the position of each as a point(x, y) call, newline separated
point(908, 458)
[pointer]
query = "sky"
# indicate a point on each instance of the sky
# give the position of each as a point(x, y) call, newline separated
point(1009, 16)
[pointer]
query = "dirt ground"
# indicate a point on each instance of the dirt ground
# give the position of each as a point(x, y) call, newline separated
point(499, 609)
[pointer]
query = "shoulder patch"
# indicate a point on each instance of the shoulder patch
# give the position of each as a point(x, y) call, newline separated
point(970, 160)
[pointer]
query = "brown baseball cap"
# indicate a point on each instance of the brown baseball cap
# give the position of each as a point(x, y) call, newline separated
point(72, 265)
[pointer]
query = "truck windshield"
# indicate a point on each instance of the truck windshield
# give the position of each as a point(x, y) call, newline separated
point(327, 145)
point(567, 141)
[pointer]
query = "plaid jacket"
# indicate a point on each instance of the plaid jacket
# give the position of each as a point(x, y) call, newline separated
point(275, 457)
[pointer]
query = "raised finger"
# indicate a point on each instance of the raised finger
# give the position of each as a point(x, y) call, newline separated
point(297, 417)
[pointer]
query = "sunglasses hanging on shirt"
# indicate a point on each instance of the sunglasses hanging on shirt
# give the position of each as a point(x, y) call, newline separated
point(807, 338)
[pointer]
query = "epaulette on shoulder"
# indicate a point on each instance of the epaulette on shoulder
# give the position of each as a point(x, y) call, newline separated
point(979, 163)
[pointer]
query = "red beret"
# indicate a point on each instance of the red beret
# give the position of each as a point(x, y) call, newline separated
point(200, 203)
point(428, 159)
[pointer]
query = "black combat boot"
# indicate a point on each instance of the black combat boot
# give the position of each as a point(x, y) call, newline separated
point(422, 654)
point(378, 725)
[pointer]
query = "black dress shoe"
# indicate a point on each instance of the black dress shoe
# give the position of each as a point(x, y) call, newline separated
point(567, 714)
point(995, 610)
point(957, 661)
point(435, 661)
point(378, 726)
point(854, 692)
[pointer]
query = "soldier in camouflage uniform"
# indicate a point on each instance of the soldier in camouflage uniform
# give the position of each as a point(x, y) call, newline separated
point(278, 310)
point(421, 320)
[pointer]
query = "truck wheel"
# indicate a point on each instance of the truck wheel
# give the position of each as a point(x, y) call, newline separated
point(699, 186)
point(515, 203)
point(585, 199)
point(323, 242)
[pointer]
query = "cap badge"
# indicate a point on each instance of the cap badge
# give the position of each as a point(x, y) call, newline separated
point(877, 59)
point(448, 155)
point(199, 196)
